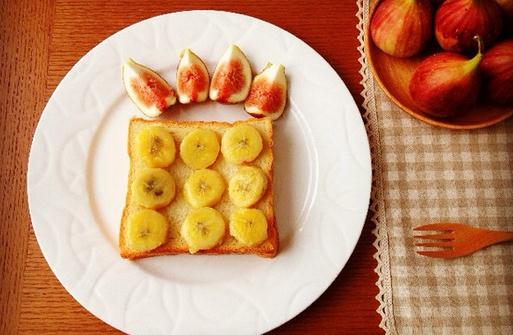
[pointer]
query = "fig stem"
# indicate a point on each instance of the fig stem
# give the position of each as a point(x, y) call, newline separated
point(479, 44)
point(474, 61)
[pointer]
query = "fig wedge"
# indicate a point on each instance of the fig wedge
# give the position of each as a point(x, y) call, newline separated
point(268, 93)
point(191, 78)
point(232, 77)
point(149, 91)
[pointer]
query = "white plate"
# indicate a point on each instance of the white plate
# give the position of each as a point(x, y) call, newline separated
point(78, 170)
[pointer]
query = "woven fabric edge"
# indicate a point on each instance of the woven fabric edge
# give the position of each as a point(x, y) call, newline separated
point(377, 207)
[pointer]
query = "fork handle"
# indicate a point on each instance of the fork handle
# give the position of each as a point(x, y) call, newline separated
point(508, 236)
point(494, 236)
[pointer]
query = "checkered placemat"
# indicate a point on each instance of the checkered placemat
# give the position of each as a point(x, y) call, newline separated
point(425, 174)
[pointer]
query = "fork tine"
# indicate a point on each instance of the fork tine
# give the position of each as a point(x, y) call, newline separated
point(447, 253)
point(439, 244)
point(440, 226)
point(446, 236)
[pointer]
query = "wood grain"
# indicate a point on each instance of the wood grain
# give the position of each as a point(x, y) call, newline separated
point(57, 34)
point(24, 45)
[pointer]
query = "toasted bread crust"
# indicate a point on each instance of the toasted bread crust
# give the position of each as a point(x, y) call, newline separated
point(269, 248)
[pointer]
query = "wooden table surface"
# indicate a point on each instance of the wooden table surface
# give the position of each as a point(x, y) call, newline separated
point(40, 41)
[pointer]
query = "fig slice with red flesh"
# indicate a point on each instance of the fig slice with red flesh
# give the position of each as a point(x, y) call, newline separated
point(232, 77)
point(191, 78)
point(268, 93)
point(149, 91)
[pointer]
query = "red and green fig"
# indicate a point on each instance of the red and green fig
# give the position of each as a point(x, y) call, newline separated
point(192, 78)
point(232, 77)
point(458, 21)
point(268, 93)
point(402, 28)
point(149, 91)
point(497, 71)
point(446, 83)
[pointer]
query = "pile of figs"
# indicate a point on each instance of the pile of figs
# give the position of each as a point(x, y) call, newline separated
point(476, 60)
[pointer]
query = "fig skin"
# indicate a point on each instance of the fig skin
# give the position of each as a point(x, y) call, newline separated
point(402, 28)
point(446, 83)
point(458, 21)
point(497, 72)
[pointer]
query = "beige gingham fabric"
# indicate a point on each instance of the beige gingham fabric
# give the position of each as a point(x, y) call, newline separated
point(424, 174)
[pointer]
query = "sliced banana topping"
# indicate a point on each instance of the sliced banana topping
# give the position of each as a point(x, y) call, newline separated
point(146, 230)
point(247, 186)
point(156, 146)
point(199, 148)
point(204, 188)
point(203, 229)
point(248, 226)
point(241, 144)
point(153, 188)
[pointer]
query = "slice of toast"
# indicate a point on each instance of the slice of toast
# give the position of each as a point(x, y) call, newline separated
point(178, 209)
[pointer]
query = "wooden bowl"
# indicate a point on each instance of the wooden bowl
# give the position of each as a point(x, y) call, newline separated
point(393, 76)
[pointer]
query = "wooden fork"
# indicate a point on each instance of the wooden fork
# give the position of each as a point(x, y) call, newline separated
point(456, 239)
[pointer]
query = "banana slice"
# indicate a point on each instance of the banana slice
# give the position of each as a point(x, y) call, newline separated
point(241, 144)
point(146, 230)
point(204, 188)
point(247, 186)
point(203, 229)
point(199, 148)
point(156, 146)
point(248, 226)
point(153, 188)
